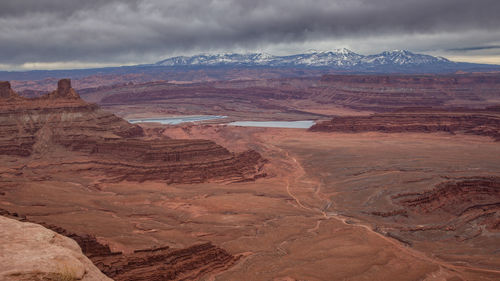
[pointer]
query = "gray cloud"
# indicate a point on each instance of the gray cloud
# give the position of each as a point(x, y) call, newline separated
point(475, 48)
point(112, 31)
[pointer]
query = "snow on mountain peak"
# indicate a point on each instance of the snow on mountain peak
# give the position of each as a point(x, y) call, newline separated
point(339, 58)
point(343, 51)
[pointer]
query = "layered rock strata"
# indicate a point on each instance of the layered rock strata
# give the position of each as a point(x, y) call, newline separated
point(464, 201)
point(26, 122)
point(383, 93)
point(476, 122)
point(165, 264)
point(465, 209)
point(61, 120)
point(302, 98)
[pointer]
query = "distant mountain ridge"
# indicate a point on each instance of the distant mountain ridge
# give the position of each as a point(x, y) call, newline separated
point(339, 58)
point(259, 65)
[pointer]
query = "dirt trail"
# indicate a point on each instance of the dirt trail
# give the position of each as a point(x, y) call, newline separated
point(295, 198)
point(300, 172)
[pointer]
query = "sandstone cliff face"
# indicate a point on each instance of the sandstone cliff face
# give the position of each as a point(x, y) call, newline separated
point(31, 252)
point(60, 120)
point(480, 122)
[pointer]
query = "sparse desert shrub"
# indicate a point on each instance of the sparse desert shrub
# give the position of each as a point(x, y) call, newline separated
point(66, 273)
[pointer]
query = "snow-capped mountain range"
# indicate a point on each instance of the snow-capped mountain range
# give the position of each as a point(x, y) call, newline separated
point(340, 58)
point(336, 61)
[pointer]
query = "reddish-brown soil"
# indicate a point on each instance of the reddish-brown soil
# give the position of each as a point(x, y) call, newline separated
point(314, 217)
point(357, 179)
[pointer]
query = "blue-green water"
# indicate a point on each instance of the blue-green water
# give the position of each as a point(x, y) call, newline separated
point(275, 124)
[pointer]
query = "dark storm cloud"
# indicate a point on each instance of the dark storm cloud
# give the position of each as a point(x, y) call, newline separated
point(60, 7)
point(133, 30)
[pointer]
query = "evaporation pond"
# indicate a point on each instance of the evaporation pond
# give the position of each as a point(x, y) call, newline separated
point(275, 124)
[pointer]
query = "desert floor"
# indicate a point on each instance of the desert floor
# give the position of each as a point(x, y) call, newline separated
point(309, 219)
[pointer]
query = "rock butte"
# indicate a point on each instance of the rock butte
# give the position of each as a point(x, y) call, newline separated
point(6, 92)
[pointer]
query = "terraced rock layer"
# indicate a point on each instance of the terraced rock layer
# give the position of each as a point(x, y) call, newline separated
point(382, 93)
point(476, 122)
point(165, 264)
point(61, 123)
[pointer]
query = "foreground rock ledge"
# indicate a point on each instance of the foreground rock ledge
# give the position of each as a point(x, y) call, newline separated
point(29, 251)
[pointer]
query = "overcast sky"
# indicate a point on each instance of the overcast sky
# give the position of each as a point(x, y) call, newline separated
point(40, 34)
